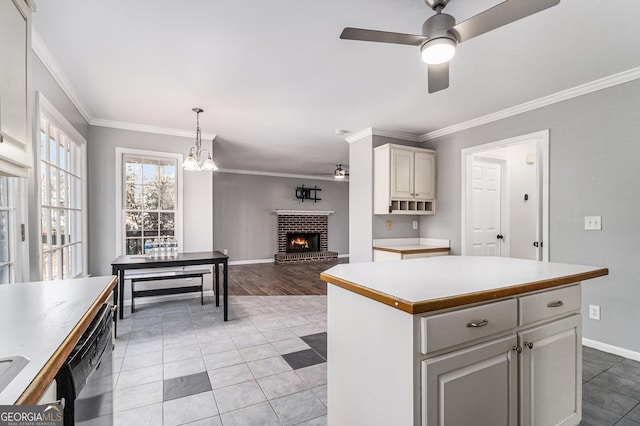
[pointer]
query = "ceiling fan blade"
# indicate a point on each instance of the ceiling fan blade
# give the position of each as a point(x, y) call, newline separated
point(438, 77)
point(381, 36)
point(499, 15)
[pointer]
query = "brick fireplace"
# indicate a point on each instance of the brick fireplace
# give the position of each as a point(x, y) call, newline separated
point(293, 227)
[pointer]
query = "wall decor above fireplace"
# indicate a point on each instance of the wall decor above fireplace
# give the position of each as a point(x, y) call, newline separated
point(303, 193)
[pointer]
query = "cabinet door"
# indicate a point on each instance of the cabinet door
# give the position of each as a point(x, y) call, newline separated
point(401, 173)
point(551, 382)
point(425, 176)
point(14, 27)
point(473, 386)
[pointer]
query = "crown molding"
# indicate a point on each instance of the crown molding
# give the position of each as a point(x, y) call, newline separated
point(284, 175)
point(123, 125)
point(371, 131)
point(40, 48)
point(593, 86)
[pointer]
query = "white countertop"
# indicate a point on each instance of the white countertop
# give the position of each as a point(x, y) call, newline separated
point(401, 245)
point(35, 319)
point(449, 277)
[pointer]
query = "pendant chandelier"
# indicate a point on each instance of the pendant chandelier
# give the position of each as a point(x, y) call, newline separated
point(196, 160)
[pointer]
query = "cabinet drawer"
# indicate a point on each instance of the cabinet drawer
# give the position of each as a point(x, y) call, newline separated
point(465, 325)
point(549, 304)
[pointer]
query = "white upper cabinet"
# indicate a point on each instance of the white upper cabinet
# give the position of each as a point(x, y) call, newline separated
point(404, 180)
point(15, 141)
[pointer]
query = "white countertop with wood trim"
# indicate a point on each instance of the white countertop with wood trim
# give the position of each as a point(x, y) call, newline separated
point(43, 321)
point(423, 285)
point(411, 245)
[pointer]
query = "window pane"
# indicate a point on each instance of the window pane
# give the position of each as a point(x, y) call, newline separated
point(5, 274)
point(55, 265)
point(150, 224)
point(134, 245)
point(65, 262)
point(44, 186)
point(62, 151)
point(133, 169)
point(133, 224)
point(4, 236)
point(52, 144)
point(53, 186)
point(133, 196)
point(167, 223)
point(63, 226)
point(150, 197)
point(46, 229)
point(149, 172)
point(4, 192)
point(53, 215)
point(63, 189)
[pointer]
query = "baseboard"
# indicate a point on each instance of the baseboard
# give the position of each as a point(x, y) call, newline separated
point(605, 347)
point(250, 262)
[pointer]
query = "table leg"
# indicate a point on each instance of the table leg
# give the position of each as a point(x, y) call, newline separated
point(225, 285)
point(115, 314)
point(120, 274)
point(216, 267)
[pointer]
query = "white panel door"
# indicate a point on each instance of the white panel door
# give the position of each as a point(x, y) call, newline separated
point(425, 177)
point(486, 212)
point(401, 173)
point(473, 386)
point(551, 380)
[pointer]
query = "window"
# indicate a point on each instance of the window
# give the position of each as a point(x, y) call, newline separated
point(6, 234)
point(62, 192)
point(149, 198)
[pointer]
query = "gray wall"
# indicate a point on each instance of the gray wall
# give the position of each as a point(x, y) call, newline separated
point(198, 187)
point(594, 154)
point(244, 222)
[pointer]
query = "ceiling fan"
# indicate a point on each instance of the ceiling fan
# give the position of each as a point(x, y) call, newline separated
point(441, 34)
point(340, 172)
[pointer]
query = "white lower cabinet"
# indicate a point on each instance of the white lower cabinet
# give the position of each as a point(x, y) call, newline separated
point(529, 375)
point(551, 373)
point(473, 386)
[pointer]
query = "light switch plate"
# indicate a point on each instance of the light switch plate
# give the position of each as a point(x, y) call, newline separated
point(593, 223)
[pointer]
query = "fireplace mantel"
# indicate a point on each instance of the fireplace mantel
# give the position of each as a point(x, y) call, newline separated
point(303, 212)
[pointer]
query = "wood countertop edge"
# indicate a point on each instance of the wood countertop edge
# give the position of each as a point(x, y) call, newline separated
point(39, 384)
point(462, 299)
point(411, 251)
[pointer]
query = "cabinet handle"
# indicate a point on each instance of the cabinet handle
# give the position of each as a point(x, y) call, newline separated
point(529, 345)
point(556, 304)
point(517, 349)
point(478, 324)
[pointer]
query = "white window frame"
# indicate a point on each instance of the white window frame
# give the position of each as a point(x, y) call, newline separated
point(16, 197)
point(120, 217)
point(48, 109)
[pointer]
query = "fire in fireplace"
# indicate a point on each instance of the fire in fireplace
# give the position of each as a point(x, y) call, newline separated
point(301, 242)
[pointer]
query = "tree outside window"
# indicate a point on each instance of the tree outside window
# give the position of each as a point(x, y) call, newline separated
point(150, 200)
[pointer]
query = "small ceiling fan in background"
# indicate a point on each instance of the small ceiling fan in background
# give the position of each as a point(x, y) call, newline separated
point(441, 34)
point(340, 172)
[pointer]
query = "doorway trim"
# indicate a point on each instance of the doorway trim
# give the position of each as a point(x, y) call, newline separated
point(542, 176)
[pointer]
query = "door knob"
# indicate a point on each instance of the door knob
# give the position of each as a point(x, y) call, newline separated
point(499, 236)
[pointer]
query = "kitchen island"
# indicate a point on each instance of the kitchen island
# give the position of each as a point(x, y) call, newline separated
point(455, 340)
point(42, 322)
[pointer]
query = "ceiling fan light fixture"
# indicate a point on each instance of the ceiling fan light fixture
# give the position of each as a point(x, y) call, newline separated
point(438, 50)
point(191, 163)
point(209, 165)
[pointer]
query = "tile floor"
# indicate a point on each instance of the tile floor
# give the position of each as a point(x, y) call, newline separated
point(179, 363)
point(610, 389)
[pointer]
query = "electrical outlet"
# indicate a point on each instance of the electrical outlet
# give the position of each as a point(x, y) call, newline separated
point(388, 225)
point(594, 312)
point(593, 223)
point(225, 252)
point(415, 224)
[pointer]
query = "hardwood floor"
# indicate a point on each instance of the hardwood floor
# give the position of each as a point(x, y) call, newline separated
point(270, 279)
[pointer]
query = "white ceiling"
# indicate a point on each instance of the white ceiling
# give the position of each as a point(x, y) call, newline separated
point(276, 81)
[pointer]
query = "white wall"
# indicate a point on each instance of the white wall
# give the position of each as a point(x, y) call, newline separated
point(361, 200)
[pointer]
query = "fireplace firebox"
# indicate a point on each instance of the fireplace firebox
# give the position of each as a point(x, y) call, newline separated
point(303, 242)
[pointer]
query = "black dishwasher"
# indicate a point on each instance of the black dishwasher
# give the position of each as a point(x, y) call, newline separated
point(85, 381)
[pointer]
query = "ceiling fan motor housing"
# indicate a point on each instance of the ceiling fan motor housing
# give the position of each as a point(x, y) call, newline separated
point(438, 26)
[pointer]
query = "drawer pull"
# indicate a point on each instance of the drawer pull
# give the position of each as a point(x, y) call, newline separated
point(555, 304)
point(478, 324)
